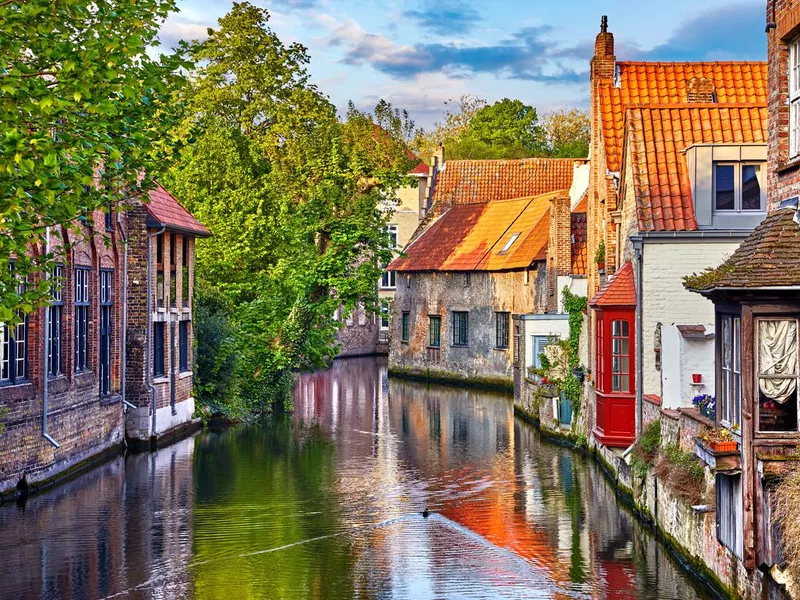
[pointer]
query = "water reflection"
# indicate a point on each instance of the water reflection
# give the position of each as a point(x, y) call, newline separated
point(326, 504)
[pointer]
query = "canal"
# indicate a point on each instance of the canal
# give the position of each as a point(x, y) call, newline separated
point(328, 502)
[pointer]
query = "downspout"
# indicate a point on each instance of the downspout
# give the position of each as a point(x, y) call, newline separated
point(638, 252)
point(148, 368)
point(124, 237)
point(45, 374)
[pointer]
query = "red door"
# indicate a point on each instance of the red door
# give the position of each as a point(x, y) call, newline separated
point(615, 422)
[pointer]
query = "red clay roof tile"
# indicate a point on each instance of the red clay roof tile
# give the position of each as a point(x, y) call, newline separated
point(168, 212)
point(619, 290)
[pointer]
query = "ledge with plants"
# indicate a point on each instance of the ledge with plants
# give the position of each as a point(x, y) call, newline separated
point(718, 448)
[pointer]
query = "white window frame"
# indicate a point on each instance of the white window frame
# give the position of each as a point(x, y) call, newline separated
point(794, 98)
point(737, 187)
point(730, 398)
point(389, 278)
point(759, 374)
point(509, 243)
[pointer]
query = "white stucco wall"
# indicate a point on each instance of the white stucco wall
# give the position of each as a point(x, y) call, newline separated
point(556, 326)
point(666, 301)
point(680, 358)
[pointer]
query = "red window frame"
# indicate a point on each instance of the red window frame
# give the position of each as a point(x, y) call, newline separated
point(605, 337)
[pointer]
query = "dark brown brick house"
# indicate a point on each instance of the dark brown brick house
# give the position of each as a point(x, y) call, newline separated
point(73, 380)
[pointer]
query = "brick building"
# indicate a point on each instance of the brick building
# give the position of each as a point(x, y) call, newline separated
point(678, 157)
point(70, 371)
point(757, 311)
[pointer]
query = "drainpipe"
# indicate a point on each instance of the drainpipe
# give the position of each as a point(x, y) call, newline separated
point(148, 370)
point(124, 297)
point(638, 252)
point(45, 374)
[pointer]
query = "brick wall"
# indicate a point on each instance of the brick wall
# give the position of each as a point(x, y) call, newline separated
point(783, 180)
point(559, 248)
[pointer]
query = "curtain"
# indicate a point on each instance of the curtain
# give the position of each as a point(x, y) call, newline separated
point(777, 355)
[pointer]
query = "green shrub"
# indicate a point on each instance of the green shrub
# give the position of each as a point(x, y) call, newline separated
point(646, 449)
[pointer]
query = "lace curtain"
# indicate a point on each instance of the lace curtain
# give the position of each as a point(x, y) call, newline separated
point(777, 356)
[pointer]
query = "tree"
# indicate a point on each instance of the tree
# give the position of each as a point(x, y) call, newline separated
point(452, 128)
point(568, 133)
point(80, 98)
point(505, 129)
point(292, 194)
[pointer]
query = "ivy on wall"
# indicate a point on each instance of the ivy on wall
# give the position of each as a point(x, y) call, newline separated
point(575, 307)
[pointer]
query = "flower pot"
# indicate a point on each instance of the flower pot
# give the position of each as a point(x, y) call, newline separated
point(731, 446)
point(696, 377)
point(601, 265)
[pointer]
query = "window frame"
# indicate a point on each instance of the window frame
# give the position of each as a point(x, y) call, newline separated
point(502, 330)
point(758, 375)
point(183, 346)
point(105, 346)
point(460, 329)
point(730, 375)
point(81, 303)
point(434, 341)
point(389, 278)
point(12, 342)
point(185, 271)
point(159, 349)
point(405, 317)
point(794, 97)
point(738, 170)
point(55, 346)
point(616, 367)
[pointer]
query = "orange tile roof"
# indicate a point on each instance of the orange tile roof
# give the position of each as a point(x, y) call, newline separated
point(167, 212)
point(578, 242)
point(619, 290)
point(476, 181)
point(471, 237)
point(656, 138)
point(666, 83)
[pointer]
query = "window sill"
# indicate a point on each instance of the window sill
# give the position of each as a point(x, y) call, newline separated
point(110, 399)
point(185, 374)
point(789, 165)
point(434, 347)
point(9, 384)
point(160, 379)
point(501, 348)
point(459, 345)
point(404, 342)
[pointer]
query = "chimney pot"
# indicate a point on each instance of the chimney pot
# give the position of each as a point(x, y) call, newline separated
point(604, 24)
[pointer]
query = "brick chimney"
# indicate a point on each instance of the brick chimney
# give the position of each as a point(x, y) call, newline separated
point(436, 165)
point(700, 89)
point(604, 63)
point(559, 248)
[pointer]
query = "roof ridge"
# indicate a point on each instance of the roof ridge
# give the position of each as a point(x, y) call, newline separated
point(511, 160)
point(692, 62)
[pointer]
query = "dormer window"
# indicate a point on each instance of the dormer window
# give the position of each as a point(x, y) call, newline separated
point(737, 187)
point(509, 243)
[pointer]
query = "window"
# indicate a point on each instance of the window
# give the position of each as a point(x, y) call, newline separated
point(600, 353)
point(435, 331)
point(158, 348)
point(14, 347)
point(737, 187)
point(185, 271)
point(81, 319)
point(384, 318)
point(104, 370)
point(408, 282)
point(467, 279)
point(730, 385)
point(173, 280)
point(389, 280)
point(160, 270)
point(56, 310)
point(183, 345)
point(501, 329)
point(404, 329)
point(507, 246)
point(391, 231)
point(110, 217)
point(538, 345)
point(794, 97)
point(730, 522)
point(620, 356)
point(460, 328)
point(777, 374)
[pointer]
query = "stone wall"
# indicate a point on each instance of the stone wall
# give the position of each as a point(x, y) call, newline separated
point(444, 292)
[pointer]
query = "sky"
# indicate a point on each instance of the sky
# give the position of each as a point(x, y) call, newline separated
point(421, 54)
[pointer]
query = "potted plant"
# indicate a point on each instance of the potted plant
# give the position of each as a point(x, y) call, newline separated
point(706, 405)
point(719, 439)
point(697, 377)
point(600, 256)
point(578, 373)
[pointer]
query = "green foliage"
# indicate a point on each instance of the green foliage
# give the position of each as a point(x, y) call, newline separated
point(706, 278)
point(646, 448)
point(294, 197)
point(568, 133)
point(575, 306)
point(685, 462)
point(79, 97)
point(600, 253)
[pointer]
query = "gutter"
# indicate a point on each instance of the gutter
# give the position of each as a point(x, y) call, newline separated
point(148, 368)
point(45, 373)
point(638, 252)
point(722, 235)
point(124, 237)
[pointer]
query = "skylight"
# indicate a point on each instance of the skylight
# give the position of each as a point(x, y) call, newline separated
point(509, 243)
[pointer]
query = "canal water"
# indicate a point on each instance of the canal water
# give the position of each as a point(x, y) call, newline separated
point(328, 502)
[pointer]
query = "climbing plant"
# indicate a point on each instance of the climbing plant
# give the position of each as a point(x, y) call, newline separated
point(575, 306)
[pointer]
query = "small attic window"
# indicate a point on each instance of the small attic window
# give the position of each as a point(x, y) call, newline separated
point(509, 243)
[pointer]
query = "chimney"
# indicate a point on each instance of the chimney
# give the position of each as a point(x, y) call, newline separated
point(437, 164)
point(559, 247)
point(700, 89)
point(604, 62)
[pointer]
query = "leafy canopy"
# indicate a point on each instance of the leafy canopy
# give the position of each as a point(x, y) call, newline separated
point(79, 97)
point(294, 196)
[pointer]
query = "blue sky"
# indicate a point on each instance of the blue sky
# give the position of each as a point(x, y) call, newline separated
point(420, 54)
